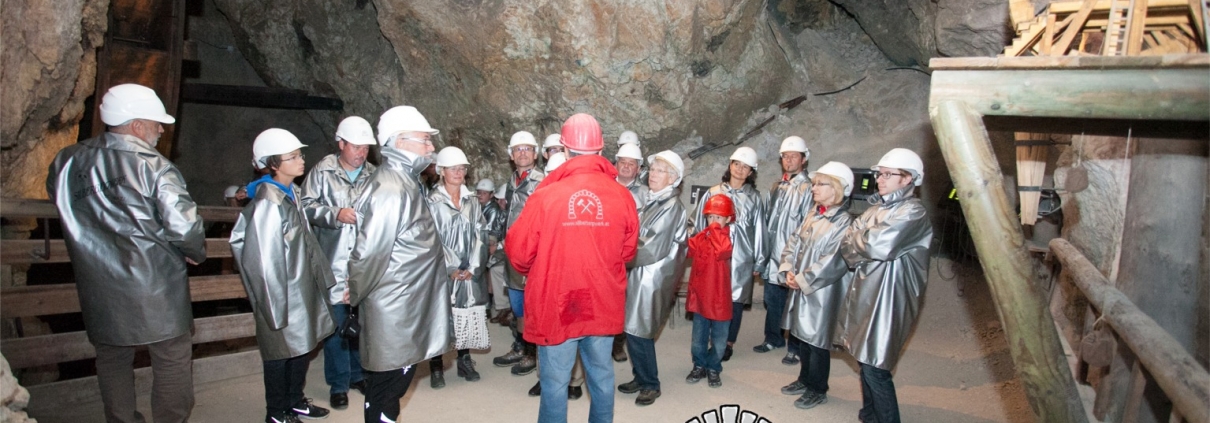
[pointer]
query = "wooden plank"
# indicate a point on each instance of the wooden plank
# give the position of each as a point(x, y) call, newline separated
point(26, 207)
point(28, 251)
point(247, 96)
point(1026, 40)
point(1195, 10)
point(1163, 94)
point(1198, 60)
point(63, 347)
point(41, 300)
point(1021, 10)
point(1048, 36)
point(1077, 25)
point(45, 398)
point(1102, 5)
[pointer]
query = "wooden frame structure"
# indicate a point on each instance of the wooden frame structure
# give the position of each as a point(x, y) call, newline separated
point(1112, 28)
point(963, 92)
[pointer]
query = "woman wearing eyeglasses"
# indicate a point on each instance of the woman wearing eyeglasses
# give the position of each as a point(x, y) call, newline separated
point(458, 215)
point(888, 250)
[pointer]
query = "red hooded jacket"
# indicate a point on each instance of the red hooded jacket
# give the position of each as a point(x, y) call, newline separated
point(572, 240)
point(710, 277)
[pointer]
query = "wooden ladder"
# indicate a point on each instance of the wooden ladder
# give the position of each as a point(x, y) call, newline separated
point(1120, 12)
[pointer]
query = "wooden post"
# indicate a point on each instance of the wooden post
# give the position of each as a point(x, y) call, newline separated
point(1032, 338)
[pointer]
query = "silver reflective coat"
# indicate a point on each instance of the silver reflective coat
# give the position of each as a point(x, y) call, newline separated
point(397, 269)
point(639, 191)
point(458, 230)
point(285, 274)
point(747, 235)
point(494, 219)
point(129, 224)
point(822, 275)
point(326, 190)
point(517, 195)
point(788, 205)
point(887, 248)
point(658, 266)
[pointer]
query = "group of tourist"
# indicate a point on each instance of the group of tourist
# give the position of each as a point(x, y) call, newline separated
point(581, 259)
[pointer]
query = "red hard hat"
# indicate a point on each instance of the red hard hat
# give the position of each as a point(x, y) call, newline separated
point(719, 205)
point(581, 132)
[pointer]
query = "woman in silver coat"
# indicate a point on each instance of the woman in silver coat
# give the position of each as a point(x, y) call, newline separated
point(285, 274)
point(887, 248)
point(459, 217)
point(747, 232)
point(817, 277)
point(654, 272)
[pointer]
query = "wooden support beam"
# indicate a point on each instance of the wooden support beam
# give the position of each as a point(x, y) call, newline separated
point(1174, 369)
point(28, 251)
point(1028, 326)
point(266, 97)
point(25, 207)
point(1062, 7)
point(40, 300)
point(1161, 94)
point(1138, 18)
point(1021, 11)
point(1073, 29)
point(71, 346)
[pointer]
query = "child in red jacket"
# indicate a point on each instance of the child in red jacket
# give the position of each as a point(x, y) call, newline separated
point(710, 290)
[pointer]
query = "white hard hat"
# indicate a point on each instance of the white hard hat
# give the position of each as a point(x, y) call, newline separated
point(355, 130)
point(555, 161)
point(630, 151)
point(552, 140)
point(500, 191)
point(122, 103)
point(230, 191)
point(450, 157)
point(401, 119)
point(839, 171)
point(485, 185)
point(521, 138)
point(745, 155)
point(272, 142)
point(628, 137)
point(795, 144)
point(672, 159)
point(902, 158)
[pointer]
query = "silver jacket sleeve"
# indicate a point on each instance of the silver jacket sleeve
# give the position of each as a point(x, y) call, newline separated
point(788, 204)
point(887, 248)
point(458, 229)
point(129, 224)
point(639, 191)
point(284, 273)
point(396, 270)
point(517, 195)
point(494, 220)
point(747, 236)
point(657, 268)
point(326, 190)
point(813, 255)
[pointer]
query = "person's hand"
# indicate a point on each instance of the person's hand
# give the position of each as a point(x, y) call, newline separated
point(345, 299)
point(347, 215)
point(190, 261)
point(791, 280)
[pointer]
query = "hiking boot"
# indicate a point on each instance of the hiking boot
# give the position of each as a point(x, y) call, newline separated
point(646, 397)
point(629, 387)
point(619, 349)
point(790, 359)
point(574, 392)
point(511, 358)
point(436, 375)
point(794, 388)
point(536, 391)
point(811, 399)
point(526, 366)
point(305, 409)
point(696, 375)
point(466, 368)
point(714, 379)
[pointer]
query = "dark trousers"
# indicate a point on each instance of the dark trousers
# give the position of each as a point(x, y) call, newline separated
point(878, 401)
point(642, 359)
point(284, 380)
point(342, 360)
point(816, 366)
point(775, 308)
point(383, 392)
point(438, 361)
point(737, 316)
point(171, 388)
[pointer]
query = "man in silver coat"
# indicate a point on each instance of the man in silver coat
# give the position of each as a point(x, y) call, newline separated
point(788, 202)
point(328, 194)
point(495, 213)
point(130, 227)
point(397, 270)
point(522, 148)
point(887, 248)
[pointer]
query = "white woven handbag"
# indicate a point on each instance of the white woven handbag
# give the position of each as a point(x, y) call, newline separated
point(470, 324)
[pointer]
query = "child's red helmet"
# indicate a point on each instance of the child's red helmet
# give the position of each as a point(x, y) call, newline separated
point(719, 205)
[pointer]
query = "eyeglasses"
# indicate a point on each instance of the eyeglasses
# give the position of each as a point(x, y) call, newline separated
point(554, 150)
point(298, 157)
point(821, 184)
point(887, 175)
point(657, 170)
point(457, 169)
point(523, 149)
point(419, 140)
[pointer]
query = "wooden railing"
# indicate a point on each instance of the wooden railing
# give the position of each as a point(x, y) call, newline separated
point(59, 297)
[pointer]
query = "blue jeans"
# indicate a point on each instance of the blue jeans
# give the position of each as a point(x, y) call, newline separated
point(775, 308)
point(342, 362)
point(878, 401)
point(642, 360)
point(709, 341)
point(556, 362)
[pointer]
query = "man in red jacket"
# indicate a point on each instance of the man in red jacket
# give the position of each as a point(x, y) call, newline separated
point(572, 240)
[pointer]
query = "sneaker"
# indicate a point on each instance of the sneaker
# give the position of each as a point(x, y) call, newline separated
point(790, 359)
point(574, 392)
point(360, 386)
point(794, 388)
point(764, 348)
point(727, 353)
point(646, 397)
point(714, 379)
point(696, 375)
point(536, 391)
point(511, 358)
point(526, 366)
point(811, 399)
point(305, 409)
point(284, 418)
point(629, 387)
point(339, 401)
